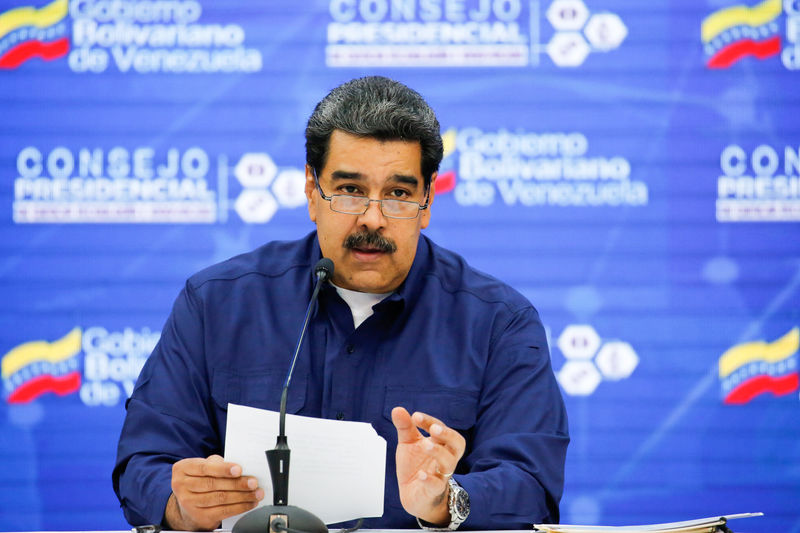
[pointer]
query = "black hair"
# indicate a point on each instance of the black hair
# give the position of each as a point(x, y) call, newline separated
point(376, 107)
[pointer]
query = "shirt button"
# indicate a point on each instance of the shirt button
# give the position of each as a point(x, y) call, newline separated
point(340, 416)
point(351, 348)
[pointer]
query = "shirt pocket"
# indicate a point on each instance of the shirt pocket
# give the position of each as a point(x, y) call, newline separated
point(457, 409)
point(260, 389)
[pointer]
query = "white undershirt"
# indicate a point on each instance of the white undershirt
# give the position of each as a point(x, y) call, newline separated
point(360, 303)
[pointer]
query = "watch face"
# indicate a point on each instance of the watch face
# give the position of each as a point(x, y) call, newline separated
point(461, 504)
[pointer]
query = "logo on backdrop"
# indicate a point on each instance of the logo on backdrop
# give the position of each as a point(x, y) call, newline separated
point(755, 368)
point(534, 169)
point(475, 33)
point(39, 367)
point(731, 34)
point(762, 185)
point(267, 188)
point(101, 366)
point(27, 32)
point(137, 37)
point(591, 360)
point(142, 185)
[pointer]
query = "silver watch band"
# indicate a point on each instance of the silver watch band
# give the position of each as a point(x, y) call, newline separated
point(454, 523)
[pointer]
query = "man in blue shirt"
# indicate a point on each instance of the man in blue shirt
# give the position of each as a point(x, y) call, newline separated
point(408, 338)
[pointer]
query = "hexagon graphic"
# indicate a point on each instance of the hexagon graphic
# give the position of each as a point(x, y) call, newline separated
point(579, 378)
point(568, 49)
point(256, 206)
point(616, 360)
point(289, 188)
point(605, 31)
point(579, 342)
point(567, 15)
point(255, 170)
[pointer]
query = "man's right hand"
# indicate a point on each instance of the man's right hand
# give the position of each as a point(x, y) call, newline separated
point(204, 491)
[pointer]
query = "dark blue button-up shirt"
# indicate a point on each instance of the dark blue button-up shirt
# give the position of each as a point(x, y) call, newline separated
point(450, 341)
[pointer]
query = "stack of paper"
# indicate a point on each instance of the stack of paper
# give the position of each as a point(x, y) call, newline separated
point(701, 525)
point(337, 469)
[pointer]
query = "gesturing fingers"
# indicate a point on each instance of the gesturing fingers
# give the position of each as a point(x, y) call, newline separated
point(440, 434)
point(444, 447)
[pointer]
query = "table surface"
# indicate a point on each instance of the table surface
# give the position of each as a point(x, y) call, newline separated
point(331, 531)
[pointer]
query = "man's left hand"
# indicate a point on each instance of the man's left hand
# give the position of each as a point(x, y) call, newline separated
point(425, 463)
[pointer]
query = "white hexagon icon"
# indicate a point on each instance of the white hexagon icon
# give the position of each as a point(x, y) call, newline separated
point(568, 49)
point(579, 342)
point(579, 378)
point(569, 15)
point(289, 188)
point(256, 206)
point(605, 31)
point(616, 360)
point(255, 170)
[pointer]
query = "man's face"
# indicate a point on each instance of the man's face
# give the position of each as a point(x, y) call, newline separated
point(360, 166)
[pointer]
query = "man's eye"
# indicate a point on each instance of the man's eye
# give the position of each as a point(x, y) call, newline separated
point(399, 194)
point(349, 189)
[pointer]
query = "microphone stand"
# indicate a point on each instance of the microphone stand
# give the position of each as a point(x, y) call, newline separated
point(281, 517)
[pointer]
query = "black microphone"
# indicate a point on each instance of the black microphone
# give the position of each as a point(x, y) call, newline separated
point(280, 516)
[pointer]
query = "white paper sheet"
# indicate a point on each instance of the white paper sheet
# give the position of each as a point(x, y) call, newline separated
point(337, 468)
point(699, 525)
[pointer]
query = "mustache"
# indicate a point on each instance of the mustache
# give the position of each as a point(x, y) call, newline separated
point(370, 239)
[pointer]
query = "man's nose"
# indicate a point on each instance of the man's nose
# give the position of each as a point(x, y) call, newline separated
point(373, 218)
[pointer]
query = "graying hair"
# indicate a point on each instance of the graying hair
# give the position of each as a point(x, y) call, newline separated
point(379, 108)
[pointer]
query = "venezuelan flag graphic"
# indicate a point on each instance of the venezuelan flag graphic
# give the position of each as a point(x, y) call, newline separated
point(446, 179)
point(739, 31)
point(38, 367)
point(755, 368)
point(27, 32)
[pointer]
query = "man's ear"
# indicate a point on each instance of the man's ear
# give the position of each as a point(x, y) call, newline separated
point(311, 194)
point(426, 214)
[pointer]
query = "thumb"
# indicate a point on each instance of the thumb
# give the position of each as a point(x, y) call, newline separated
point(406, 430)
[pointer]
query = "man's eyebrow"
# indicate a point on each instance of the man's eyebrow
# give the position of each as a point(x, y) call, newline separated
point(408, 180)
point(357, 176)
point(344, 175)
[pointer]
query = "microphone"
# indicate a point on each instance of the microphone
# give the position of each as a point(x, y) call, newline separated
point(281, 517)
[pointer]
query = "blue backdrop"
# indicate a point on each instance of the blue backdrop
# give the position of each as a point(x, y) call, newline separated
point(631, 167)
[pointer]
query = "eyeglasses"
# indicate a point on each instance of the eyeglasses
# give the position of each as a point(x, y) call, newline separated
point(358, 205)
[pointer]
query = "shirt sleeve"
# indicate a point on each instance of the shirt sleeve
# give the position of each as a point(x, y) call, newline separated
point(168, 416)
point(515, 460)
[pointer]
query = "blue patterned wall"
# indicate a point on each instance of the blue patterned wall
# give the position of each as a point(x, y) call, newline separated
point(632, 167)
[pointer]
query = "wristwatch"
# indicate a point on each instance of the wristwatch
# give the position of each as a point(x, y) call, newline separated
point(458, 505)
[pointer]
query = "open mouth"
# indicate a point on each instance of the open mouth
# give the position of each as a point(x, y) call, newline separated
point(364, 253)
point(368, 250)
